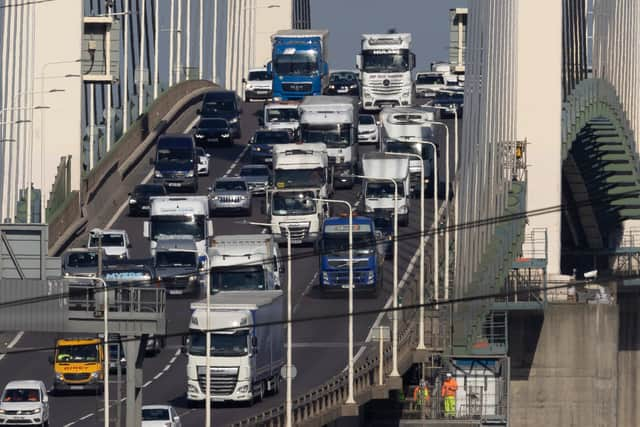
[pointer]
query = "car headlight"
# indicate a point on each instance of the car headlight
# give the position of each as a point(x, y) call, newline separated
point(199, 135)
point(243, 388)
point(353, 86)
point(215, 198)
point(249, 87)
point(325, 277)
point(121, 256)
point(243, 197)
point(368, 208)
point(332, 87)
point(189, 174)
point(225, 135)
point(257, 149)
point(193, 278)
point(32, 411)
point(158, 174)
point(132, 201)
point(234, 120)
point(2, 411)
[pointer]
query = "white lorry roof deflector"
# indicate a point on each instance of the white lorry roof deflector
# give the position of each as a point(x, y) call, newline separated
point(238, 300)
point(382, 166)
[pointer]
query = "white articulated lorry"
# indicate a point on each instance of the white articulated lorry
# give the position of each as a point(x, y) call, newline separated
point(180, 218)
point(245, 262)
point(333, 121)
point(247, 346)
point(385, 63)
point(404, 130)
point(302, 166)
point(381, 171)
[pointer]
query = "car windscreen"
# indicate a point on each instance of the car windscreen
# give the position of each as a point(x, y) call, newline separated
point(272, 138)
point(77, 353)
point(82, 259)
point(109, 240)
point(254, 172)
point(213, 124)
point(425, 79)
point(167, 157)
point(155, 414)
point(149, 190)
point(275, 115)
point(21, 395)
point(218, 106)
point(342, 78)
point(366, 120)
point(231, 186)
point(259, 75)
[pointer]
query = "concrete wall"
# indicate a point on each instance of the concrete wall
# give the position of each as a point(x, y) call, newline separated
point(564, 369)
point(539, 109)
point(268, 21)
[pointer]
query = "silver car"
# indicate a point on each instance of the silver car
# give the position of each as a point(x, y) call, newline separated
point(230, 194)
point(258, 177)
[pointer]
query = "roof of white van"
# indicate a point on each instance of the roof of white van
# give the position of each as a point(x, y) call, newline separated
point(382, 166)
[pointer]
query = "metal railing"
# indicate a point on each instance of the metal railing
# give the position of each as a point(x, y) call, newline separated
point(88, 299)
point(535, 244)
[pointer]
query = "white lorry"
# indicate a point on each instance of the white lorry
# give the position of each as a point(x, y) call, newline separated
point(302, 166)
point(333, 121)
point(247, 351)
point(297, 212)
point(179, 218)
point(404, 129)
point(382, 171)
point(385, 63)
point(245, 262)
point(281, 115)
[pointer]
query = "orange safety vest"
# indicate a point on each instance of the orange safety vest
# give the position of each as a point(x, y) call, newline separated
point(416, 393)
point(449, 387)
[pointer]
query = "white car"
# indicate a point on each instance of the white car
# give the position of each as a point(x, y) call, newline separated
point(428, 83)
point(203, 161)
point(257, 85)
point(24, 403)
point(367, 129)
point(115, 243)
point(160, 416)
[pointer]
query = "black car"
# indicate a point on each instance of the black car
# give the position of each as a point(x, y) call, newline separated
point(451, 101)
point(343, 83)
point(223, 104)
point(139, 203)
point(263, 141)
point(213, 131)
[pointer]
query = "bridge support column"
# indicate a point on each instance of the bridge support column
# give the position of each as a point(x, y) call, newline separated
point(134, 350)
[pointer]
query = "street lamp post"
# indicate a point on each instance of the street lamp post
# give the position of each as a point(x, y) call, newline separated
point(350, 395)
point(446, 228)
point(394, 369)
point(207, 366)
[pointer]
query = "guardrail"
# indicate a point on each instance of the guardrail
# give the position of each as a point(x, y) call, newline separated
point(106, 186)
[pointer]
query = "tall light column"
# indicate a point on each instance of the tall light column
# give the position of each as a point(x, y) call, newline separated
point(446, 198)
point(143, 28)
point(156, 42)
point(201, 41)
point(171, 37)
point(187, 55)
point(207, 366)
point(92, 122)
point(214, 73)
point(289, 397)
point(179, 42)
point(350, 395)
point(125, 69)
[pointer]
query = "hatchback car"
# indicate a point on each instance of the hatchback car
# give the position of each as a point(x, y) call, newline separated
point(139, 198)
point(230, 194)
point(213, 131)
point(368, 132)
point(203, 161)
point(160, 416)
point(115, 243)
point(257, 177)
point(343, 83)
point(24, 403)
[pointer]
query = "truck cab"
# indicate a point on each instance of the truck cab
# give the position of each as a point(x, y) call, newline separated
point(334, 255)
point(295, 211)
point(180, 217)
point(298, 63)
point(78, 364)
point(333, 121)
point(385, 63)
point(302, 166)
point(379, 189)
point(244, 360)
point(281, 115)
point(246, 262)
point(177, 266)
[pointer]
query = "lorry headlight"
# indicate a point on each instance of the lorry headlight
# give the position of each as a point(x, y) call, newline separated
point(132, 201)
point(192, 389)
point(243, 388)
point(325, 277)
point(370, 278)
point(158, 174)
point(368, 208)
point(243, 197)
point(193, 278)
point(190, 174)
point(95, 375)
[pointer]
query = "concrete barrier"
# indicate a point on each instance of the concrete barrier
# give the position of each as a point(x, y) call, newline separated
point(106, 187)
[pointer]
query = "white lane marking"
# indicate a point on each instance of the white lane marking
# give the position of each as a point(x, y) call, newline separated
point(12, 343)
point(305, 292)
point(237, 160)
point(86, 416)
point(146, 179)
point(148, 383)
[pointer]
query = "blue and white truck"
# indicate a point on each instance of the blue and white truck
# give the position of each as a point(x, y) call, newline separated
point(334, 255)
point(298, 63)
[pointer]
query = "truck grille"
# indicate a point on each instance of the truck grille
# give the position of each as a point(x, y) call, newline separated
point(298, 231)
point(342, 277)
point(296, 87)
point(378, 87)
point(223, 380)
point(76, 377)
point(344, 264)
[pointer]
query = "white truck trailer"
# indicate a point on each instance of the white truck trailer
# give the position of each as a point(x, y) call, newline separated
point(333, 121)
point(179, 218)
point(245, 262)
point(385, 63)
point(246, 346)
point(382, 171)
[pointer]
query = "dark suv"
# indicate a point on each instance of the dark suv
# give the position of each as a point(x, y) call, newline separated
point(223, 104)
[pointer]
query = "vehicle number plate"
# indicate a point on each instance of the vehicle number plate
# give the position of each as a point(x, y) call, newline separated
point(268, 160)
point(146, 208)
point(343, 90)
point(261, 92)
point(174, 292)
point(213, 139)
point(76, 387)
point(296, 241)
point(173, 184)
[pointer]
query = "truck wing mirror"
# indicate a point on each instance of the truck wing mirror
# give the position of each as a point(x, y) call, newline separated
point(146, 231)
point(254, 341)
point(358, 61)
point(263, 207)
point(198, 111)
point(210, 228)
point(244, 80)
point(51, 359)
point(261, 121)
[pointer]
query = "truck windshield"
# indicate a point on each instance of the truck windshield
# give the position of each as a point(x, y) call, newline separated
point(282, 115)
point(77, 353)
point(383, 189)
point(300, 63)
point(364, 243)
point(175, 259)
point(177, 225)
point(293, 204)
point(335, 135)
point(382, 61)
point(237, 278)
point(236, 344)
point(297, 178)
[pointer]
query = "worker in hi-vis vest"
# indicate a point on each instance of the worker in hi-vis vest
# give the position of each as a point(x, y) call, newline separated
point(449, 388)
